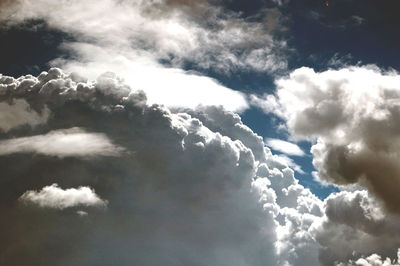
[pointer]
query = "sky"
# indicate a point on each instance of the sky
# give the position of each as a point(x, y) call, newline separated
point(179, 132)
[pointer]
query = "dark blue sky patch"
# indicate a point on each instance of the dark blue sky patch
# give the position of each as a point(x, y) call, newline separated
point(365, 29)
point(28, 48)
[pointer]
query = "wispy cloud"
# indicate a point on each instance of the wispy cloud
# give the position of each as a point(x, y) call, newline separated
point(284, 147)
point(63, 143)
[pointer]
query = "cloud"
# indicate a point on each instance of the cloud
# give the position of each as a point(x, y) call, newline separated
point(149, 43)
point(373, 260)
point(352, 116)
point(19, 113)
point(289, 162)
point(56, 198)
point(284, 147)
point(354, 223)
point(62, 143)
point(192, 186)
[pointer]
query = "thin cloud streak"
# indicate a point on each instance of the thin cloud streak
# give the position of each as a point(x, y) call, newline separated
point(284, 147)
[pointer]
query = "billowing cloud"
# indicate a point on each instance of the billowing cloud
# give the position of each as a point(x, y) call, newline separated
point(193, 186)
point(284, 147)
point(62, 143)
point(55, 197)
point(353, 224)
point(373, 260)
point(352, 113)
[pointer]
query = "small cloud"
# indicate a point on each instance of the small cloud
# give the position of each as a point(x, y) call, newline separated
point(284, 147)
point(54, 197)
point(82, 213)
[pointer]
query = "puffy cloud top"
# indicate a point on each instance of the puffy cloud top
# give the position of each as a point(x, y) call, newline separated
point(55, 197)
point(352, 113)
point(191, 186)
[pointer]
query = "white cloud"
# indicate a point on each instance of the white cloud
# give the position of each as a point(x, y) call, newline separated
point(284, 147)
point(289, 162)
point(62, 143)
point(131, 38)
point(57, 198)
point(267, 103)
point(373, 260)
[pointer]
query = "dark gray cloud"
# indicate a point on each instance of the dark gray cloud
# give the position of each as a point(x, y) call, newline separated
point(353, 225)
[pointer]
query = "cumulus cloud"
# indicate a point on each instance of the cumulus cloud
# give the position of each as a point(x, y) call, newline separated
point(373, 260)
point(57, 198)
point(62, 143)
point(284, 147)
point(353, 224)
point(193, 186)
point(352, 115)
point(141, 40)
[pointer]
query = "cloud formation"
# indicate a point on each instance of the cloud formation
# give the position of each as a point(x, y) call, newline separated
point(352, 114)
point(149, 43)
point(353, 224)
point(62, 143)
point(194, 186)
point(373, 260)
point(19, 113)
point(284, 147)
point(55, 197)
